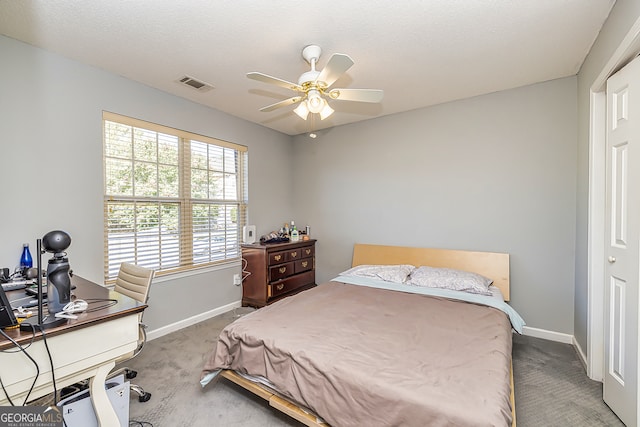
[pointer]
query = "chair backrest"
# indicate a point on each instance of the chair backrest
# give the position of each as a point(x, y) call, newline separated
point(134, 281)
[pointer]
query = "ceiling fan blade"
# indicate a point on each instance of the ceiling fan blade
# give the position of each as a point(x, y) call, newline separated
point(360, 95)
point(280, 104)
point(338, 64)
point(274, 81)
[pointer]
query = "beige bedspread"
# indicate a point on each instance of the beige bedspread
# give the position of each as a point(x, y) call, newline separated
point(359, 356)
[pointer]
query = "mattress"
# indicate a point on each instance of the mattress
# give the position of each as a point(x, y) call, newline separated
point(359, 355)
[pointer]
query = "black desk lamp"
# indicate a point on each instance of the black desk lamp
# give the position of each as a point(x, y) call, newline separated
point(58, 279)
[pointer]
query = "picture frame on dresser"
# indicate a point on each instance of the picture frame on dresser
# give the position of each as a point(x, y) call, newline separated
point(277, 270)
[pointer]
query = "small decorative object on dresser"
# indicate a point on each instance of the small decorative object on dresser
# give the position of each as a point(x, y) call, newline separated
point(249, 234)
point(277, 270)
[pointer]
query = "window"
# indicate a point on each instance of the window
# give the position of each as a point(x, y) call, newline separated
point(173, 200)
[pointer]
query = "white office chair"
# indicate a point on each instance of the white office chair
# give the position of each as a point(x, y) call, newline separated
point(134, 282)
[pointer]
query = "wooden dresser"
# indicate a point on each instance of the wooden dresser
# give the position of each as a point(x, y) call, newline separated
point(277, 270)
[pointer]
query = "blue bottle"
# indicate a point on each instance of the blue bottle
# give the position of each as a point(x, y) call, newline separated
point(25, 259)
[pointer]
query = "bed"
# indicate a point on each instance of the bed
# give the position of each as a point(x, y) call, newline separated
point(360, 351)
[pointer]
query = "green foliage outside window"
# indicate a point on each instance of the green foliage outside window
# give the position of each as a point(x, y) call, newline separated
point(171, 202)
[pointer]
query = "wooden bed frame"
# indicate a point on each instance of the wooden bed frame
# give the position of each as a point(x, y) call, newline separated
point(493, 265)
point(490, 264)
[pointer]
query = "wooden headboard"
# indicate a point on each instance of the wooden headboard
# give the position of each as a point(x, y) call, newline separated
point(489, 264)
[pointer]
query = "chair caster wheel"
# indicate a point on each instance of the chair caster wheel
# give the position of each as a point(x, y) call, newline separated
point(145, 397)
point(131, 374)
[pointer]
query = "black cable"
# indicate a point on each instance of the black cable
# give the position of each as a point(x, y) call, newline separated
point(111, 303)
point(6, 394)
point(53, 375)
point(18, 350)
point(30, 358)
point(140, 423)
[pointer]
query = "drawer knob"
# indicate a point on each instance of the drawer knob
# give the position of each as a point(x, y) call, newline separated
point(280, 286)
point(294, 254)
point(305, 263)
point(277, 257)
point(282, 269)
point(308, 251)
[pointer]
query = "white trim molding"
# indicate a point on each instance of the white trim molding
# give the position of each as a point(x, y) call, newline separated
point(160, 332)
point(548, 335)
point(596, 236)
point(581, 355)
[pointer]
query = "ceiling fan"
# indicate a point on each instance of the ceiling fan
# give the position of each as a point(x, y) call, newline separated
point(314, 86)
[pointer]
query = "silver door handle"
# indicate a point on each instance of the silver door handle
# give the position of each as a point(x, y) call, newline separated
point(612, 259)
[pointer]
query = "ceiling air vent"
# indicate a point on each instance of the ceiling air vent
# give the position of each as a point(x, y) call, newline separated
point(198, 85)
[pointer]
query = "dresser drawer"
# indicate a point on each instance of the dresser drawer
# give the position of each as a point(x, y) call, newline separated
point(304, 264)
point(280, 271)
point(308, 251)
point(277, 257)
point(294, 254)
point(289, 284)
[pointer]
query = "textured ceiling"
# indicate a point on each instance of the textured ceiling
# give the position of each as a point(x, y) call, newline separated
point(420, 52)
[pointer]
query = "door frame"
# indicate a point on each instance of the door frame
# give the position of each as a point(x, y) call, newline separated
point(626, 51)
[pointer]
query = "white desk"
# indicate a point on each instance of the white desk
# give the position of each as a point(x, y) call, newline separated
point(84, 348)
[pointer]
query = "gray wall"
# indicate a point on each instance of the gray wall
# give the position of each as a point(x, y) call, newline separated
point(496, 172)
point(622, 17)
point(51, 176)
point(492, 173)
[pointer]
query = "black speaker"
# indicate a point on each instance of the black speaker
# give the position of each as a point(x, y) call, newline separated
point(4, 275)
point(6, 312)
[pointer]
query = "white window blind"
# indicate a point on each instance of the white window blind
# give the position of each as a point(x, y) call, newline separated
point(173, 200)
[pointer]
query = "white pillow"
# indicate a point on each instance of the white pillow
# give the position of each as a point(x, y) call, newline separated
point(448, 278)
point(388, 273)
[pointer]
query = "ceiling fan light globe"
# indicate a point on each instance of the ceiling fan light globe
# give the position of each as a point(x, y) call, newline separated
point(302, 111)
point(315, 102)
point(326, 111)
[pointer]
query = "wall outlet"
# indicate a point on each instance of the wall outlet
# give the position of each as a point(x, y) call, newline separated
point(237, 280)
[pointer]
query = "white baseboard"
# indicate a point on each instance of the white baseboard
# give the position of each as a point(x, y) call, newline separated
point(157, 333)
point(548, 335)
point(581, 355)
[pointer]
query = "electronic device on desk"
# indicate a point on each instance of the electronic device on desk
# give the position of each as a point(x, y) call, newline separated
point(17, 281)
point(33, 290)
point(7, 318)
point(4, 275)
point(15, 286)
point(58, 280)
point(26, 302)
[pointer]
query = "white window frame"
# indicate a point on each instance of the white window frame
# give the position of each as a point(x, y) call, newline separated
point(220, 234)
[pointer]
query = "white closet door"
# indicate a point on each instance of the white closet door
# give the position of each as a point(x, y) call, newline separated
point(622, 243)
